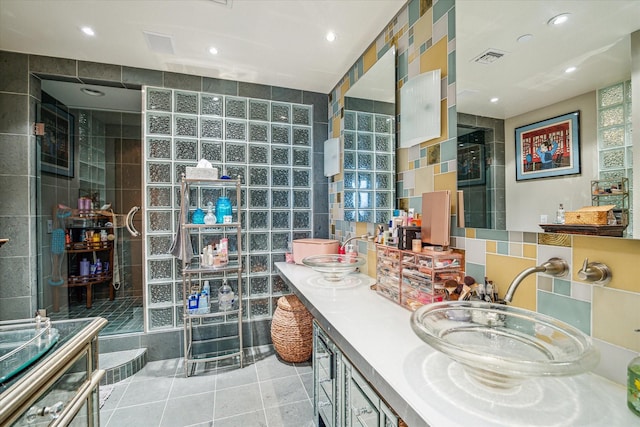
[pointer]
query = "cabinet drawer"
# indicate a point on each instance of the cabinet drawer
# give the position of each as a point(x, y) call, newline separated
point(363, 409)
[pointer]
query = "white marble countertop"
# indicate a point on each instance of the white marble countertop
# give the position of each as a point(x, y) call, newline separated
point(425, 387)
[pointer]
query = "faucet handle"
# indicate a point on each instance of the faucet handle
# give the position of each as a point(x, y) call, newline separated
point(585, 265)
point(595, 272)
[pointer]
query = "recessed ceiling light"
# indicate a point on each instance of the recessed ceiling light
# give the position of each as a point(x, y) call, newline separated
point(88, 31)
point(91, 92)
point(213, 50)
point(331, 36)
point(558, 19)
point(494, 100)
point(525, 38)
point(570, 70)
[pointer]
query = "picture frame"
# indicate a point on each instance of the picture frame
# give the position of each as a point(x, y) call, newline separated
point(57, 142)
point(471, 165)
point(549, 148)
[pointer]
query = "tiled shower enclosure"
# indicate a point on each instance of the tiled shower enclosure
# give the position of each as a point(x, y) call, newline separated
point(268, 146)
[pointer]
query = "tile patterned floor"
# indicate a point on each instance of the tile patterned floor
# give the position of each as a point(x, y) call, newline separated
point(265, 392)
point(124, 314)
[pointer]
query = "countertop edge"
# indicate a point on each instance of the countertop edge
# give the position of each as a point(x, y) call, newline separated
point(386, 391)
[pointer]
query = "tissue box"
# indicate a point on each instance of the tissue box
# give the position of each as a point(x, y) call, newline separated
point(201, 173)
point(589, 215)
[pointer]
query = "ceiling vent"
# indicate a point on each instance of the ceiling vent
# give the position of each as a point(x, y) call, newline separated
point(489, 56)
point(159, 43)
point(227, 3)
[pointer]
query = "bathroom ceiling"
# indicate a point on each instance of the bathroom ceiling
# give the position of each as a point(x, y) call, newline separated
point(272, 42)
point(531, 74)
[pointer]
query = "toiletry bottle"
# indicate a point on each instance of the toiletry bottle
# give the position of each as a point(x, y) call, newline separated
point(209, 218)
point(633, 384)
point(560, 215)
point(203, 300)
point(98, 267)
point(198, 216)
point(223, 208)
point(84, 267)
point(225, 297)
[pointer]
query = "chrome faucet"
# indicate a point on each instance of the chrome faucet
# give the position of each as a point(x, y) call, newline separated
point(363, 237)
point(556, 267)
point(594, 272)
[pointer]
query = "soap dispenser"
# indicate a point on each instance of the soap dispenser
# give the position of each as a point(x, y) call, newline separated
point(226, 297)
point(633, 384)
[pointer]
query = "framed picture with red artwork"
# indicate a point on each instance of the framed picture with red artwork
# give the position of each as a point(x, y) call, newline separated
point(549, 148)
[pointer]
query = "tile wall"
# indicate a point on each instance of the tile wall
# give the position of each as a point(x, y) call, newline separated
point(610, 313)
point(424, 35)
point(19, 92)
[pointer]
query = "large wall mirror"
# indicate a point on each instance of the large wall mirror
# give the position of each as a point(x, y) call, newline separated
point(516, 68)
point(90, 166)
point(369, 144)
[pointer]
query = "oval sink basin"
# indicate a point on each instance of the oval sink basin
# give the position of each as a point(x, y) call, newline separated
point(334, 268)
point(501, 346)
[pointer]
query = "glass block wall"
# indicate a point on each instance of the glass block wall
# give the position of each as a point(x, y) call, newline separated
point(91, 141)
point(268, 146)
point(369, 159)
point(615, 150)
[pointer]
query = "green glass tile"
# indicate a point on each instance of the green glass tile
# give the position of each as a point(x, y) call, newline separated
point(503, 247)
point(423, 152)
point(562, 287)
point(384, 50)
point(423, 48)
point(403, 65)
point(416, 203)
point(444, 167)
point(352, 76)
point(451, 18)
point(416, 164)
point(477, 271)
point(574, 312)
point(441, 7)
point(448, 149)
point(414, 13)
point(451, 64)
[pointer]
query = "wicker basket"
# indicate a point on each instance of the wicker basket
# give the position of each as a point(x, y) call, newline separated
point(292, 330)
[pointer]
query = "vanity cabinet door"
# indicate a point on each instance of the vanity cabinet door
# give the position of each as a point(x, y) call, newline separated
point(361, 402)
point(325, 400)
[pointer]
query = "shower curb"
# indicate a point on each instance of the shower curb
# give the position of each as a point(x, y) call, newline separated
point(120, 365)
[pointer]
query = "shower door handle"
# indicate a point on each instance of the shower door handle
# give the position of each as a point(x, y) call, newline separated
point(129, 221)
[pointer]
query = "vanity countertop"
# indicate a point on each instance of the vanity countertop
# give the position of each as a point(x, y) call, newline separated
point(424, 386)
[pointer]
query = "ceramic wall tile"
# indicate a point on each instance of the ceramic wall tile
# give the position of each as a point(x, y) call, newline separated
point(616, 316)
point(574, 312)
point(621, 255)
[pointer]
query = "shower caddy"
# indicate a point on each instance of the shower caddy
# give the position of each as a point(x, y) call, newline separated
point(200, 345)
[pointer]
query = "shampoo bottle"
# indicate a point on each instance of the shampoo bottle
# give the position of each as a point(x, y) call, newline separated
point(84, 267)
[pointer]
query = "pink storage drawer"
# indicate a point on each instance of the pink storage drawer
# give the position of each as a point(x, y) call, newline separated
point(306, 247)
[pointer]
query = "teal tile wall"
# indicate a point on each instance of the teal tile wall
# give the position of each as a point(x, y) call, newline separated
point(574, 312)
